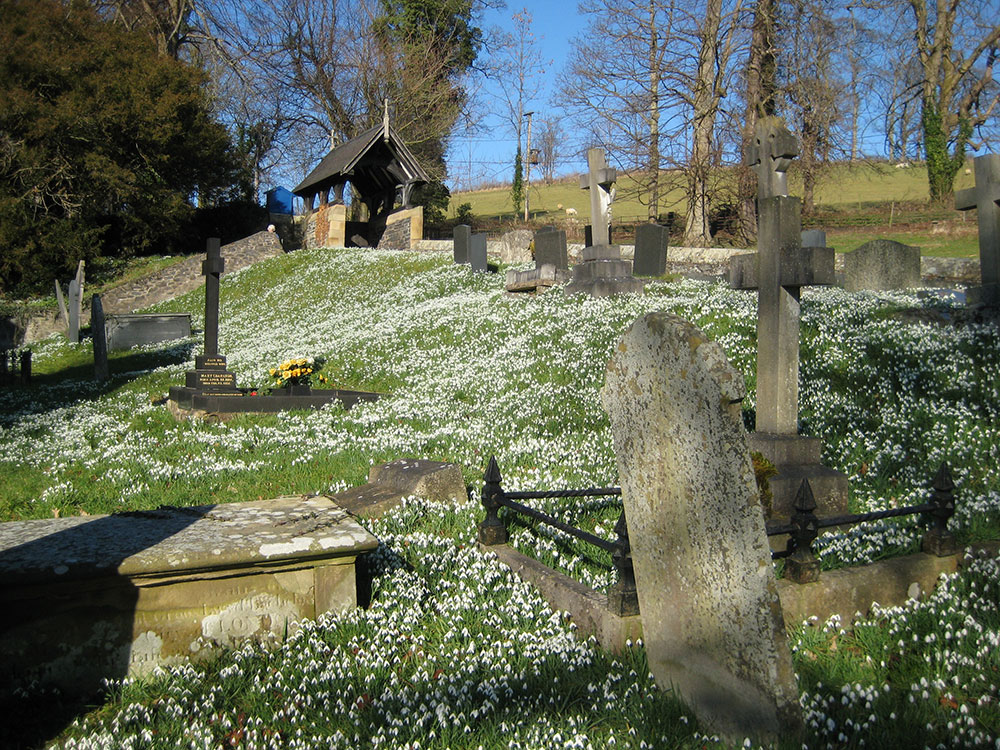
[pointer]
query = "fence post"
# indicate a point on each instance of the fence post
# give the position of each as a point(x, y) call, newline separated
point(937, 539)
point(26, 367)
point(801, 565)
point(622, 597)
point(492, 530)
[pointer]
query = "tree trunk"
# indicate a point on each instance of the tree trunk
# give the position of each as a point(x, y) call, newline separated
point(706, 98)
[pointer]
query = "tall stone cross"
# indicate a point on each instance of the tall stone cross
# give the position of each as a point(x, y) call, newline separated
point(212, 267)
point(985, 198)
point(777, 270)
point(600, 181)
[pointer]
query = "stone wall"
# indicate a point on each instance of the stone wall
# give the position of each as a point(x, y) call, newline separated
point(403, 229)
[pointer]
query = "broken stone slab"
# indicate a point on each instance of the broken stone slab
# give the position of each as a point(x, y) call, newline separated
point(389, 483)
point(539, 279)
point(97, 597)
point(712, 619)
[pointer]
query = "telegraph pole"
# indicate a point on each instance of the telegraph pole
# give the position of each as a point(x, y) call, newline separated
point(527, 178)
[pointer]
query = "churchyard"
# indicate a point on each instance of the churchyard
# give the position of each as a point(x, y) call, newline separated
point(454, 650)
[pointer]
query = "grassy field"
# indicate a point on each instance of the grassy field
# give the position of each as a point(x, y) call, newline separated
point(860, 202)
point(455, 651)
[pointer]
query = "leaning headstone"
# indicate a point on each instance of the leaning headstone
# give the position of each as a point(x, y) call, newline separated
point(550, 248)
point(712, 620)
point(477, 253)
point(515, 246)
point(881, 265)
point(985, 198)
point(98, 334)
point(651, 241)
point(73, 332)
point(463, 238)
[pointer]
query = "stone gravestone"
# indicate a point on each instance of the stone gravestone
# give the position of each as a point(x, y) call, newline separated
point(210, 374)
point(98, 334)
point(515, 246)
point(985, 198)
point(477, 253)
point(463, 238)
point(712, 620)
point(126, 330)
point(550, 248)
point(813, 238)
point(651, 241)
point(72, 312)
point(882, 264)
point(778, 270)
point(603, 272)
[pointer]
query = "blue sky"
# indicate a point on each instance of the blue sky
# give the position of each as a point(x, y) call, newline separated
point(490, 154)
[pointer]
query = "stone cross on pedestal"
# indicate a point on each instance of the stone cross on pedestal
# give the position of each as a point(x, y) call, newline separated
point(212, 268)
point(985, 198)
point(769, 155)
point(779, 268)
point(600, 181)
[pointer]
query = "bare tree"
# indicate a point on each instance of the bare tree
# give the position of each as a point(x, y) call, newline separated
point(612, 84)
point(956, 43)
point(550, 139)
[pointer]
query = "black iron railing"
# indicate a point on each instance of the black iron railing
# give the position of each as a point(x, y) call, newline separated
point(622, 598)
point(15, 366)
point(801, 563)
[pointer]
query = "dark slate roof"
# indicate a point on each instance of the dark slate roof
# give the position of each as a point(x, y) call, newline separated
point(375, 161)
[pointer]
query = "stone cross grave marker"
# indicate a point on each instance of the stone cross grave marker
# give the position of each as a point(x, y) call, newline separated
point(463, 238)
point(210, 372)
point(98, 334)
point(777, 270)
point(985, 198)
point(712, 619)
point(600, 181)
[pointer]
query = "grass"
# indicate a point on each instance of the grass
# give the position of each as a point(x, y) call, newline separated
point(455, 651)
point(854, 203)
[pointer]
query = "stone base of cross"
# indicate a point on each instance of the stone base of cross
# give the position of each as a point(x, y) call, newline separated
point(985, 198)
point(778, 270)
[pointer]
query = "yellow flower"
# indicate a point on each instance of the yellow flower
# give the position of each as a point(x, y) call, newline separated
point(273, 372)
point(286, 375)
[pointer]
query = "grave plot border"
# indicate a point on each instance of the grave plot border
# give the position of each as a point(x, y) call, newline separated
point(615, 617)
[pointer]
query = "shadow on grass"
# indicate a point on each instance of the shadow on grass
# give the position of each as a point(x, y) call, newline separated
point(75, 382)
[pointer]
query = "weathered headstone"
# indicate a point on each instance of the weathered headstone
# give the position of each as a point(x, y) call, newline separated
point(463, 238)
point(712, 621)
point(125, 330)
point(813, 238)
point(515, 246)
point(985, 198)
point(98, 334)
point(72, 309)
point(651, 241)
point(779, 268)
point(882, 264)
point(550, 248)
point(477, 253)
point(602, 272)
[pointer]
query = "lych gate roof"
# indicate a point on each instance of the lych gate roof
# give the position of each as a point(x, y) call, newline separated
point(374, 162)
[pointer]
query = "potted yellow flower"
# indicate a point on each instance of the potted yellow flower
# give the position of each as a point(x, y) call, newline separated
point(294, 376)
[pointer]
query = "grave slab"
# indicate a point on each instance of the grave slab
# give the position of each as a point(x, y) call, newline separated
point(96, 597)
point(651, 242)
point(125, 330)
point(463, 238)
point(712, 619)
